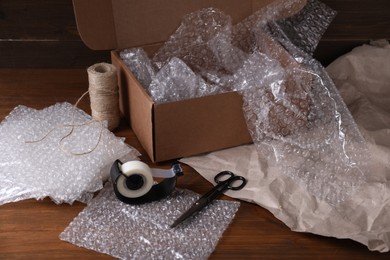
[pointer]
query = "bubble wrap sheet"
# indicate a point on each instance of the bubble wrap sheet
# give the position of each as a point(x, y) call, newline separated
point(41, 169)
point(307, 132)
point(142, 231)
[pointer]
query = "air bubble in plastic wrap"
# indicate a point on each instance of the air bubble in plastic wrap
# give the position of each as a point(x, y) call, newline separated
point(125, 231)
point(33, 164)
point(139, 63)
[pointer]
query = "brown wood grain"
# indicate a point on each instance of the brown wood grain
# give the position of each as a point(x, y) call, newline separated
point(29, 229)
point(42, 34)
point(49, 54)
point(357, 22)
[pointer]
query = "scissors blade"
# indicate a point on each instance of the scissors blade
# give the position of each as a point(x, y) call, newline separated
point(196, 207)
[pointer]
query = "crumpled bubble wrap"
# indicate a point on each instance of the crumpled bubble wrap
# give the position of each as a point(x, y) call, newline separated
point(42, 169)
point(327, 153)
point(214, 49)
point(195, 43)
point(228, 57)
point(110, 226)
point(306, 28)
point(280, 97)
point(259, 70)
point(190, 40)
point(309, 23)
point(139, 63)
point(177, 76)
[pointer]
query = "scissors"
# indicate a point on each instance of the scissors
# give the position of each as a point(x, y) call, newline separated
point(225, 180)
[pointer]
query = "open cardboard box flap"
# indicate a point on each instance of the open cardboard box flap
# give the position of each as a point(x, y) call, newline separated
point(169, 130)
point(119, 24)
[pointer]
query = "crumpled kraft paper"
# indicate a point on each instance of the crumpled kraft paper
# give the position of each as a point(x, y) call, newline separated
point(363, 79)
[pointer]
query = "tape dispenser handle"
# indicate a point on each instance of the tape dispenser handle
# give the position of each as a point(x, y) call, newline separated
point(133, 182)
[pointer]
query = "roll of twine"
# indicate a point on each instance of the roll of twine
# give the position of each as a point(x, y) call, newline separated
point(104, 94)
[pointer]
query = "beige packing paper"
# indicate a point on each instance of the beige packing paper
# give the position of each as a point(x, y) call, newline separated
point(363, 79)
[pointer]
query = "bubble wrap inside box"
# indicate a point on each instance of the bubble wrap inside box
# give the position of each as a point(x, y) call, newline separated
point(139, 63)
point(110, 226)
point(208, 43)
point(41, 169)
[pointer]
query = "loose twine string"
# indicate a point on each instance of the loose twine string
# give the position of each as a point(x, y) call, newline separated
point(104, 101)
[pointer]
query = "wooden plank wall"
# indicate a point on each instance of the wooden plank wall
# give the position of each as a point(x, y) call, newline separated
point(43, 33)
point(357, 22)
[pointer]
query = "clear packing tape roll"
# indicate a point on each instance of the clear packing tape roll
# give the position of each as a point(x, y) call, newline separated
point(131, 170)
point(134, 184)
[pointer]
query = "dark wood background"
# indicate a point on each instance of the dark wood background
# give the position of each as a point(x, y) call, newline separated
point(43, 33)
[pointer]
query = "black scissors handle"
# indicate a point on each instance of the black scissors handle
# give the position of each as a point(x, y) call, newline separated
point(225, 180)
point(232, 181)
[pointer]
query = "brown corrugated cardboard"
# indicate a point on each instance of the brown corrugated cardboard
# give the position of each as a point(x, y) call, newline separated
point(107, 24)
point(177, 129)
point(168, 130)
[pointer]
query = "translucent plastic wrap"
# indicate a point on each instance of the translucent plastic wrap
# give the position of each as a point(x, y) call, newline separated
point(303, 21)
point(228, 57)
point(139, 63)
point(208, 43)
point(190, 40)
point(306, 28)
point(324, 149)
point(36, 161)
point(143, 231)
point(177, 76)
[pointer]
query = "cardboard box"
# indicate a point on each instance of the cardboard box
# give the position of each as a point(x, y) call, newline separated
point(170, 130)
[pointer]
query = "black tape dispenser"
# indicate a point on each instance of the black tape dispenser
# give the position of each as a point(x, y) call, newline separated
point(133, 181)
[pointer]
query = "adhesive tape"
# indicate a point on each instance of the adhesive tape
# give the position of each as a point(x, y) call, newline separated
point(138, 179)
point(133, 181)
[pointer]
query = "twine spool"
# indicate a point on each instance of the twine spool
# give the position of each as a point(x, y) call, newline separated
point(103, 93)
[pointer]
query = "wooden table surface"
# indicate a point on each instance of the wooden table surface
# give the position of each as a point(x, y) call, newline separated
point(29, 229)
